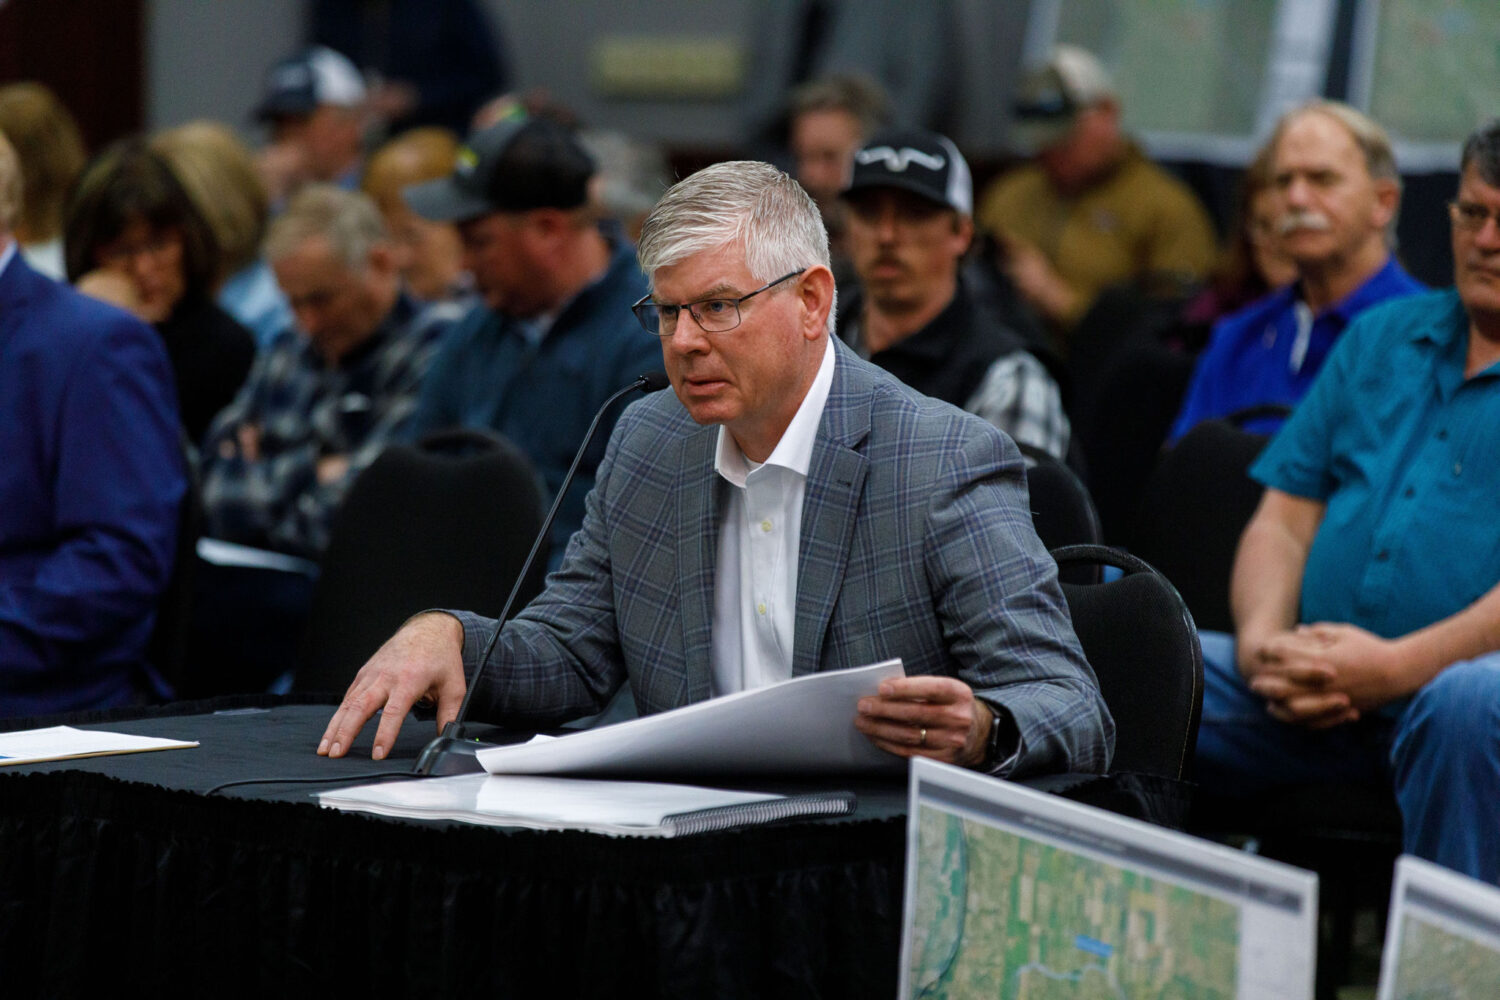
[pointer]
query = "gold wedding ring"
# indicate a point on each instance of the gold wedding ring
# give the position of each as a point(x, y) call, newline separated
point(923, 741)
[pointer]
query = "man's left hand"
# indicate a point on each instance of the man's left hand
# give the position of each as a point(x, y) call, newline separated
point(927, 716)
point(1326, 674)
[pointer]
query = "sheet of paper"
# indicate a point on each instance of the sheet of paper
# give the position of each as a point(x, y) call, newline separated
point(30, 746)
point(801, 726)
point(543, 803)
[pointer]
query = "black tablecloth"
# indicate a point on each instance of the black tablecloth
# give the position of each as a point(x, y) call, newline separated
point(117, 870)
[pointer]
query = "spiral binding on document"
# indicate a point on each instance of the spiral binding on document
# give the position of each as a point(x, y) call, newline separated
point(722, 818)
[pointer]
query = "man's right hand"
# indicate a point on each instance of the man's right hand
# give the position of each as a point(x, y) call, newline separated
point(424, 660)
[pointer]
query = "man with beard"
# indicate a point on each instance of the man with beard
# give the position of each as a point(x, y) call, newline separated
point(910, 201)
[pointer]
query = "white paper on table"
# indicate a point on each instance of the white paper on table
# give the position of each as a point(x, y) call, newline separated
point(801, 726)
point(31, 746)
point(543, 803)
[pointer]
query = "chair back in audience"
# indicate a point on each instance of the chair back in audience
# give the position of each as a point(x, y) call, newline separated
point(167, 648)
point(1138, 636)
point(1194, 506)
point(1061, 509)
point(446, 523)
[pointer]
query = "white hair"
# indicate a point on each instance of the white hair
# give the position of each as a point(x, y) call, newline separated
point(743, 201)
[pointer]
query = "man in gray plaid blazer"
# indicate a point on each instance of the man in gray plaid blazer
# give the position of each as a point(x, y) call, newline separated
point(789, 509)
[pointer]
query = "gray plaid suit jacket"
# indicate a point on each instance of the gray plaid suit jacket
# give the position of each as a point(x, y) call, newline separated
point(916, 542)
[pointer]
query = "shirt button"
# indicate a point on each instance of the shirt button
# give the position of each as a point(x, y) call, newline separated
point(1458, 468)
point(761, 608)
point(765, 525)
point(1442, 435)
point(1382, 555)
point(1409, 492)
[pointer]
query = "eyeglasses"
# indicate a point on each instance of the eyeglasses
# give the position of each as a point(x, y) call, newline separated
point(1470, 216)
point(718, 315)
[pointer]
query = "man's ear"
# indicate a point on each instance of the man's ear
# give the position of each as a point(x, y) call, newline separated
point(1387, 202)
point(815, 288)
point(383, 258)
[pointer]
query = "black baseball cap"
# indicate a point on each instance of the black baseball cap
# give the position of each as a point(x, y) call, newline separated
point(924, 163)
point(515, 165)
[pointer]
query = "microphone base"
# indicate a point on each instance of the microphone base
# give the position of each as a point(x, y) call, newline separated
point(453, 752)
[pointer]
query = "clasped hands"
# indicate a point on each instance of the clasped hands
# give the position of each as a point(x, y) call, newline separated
point(1322, 675)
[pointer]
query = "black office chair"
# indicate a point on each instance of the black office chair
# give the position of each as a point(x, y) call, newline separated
point(1138, 636)
point(1062, 512)
point(1193, 508)
point(446, 523)
point(167, 648)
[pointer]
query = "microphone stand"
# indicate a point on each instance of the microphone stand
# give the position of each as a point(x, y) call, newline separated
point(453, 751)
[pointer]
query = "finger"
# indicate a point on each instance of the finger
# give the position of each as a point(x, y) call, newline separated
point(909, 738)
point(926, 687)
point(1305, 709)
point(358, 705)
point(1300, 669)
point(1277, 687)
point(400, 701)
point(917, 714)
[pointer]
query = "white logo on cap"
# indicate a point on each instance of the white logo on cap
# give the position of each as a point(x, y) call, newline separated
point(897, 160)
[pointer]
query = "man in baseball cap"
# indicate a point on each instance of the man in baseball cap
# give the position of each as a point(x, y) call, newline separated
point(314, 103)
point(1091, 211)
point(910, 200)
point(553, 336)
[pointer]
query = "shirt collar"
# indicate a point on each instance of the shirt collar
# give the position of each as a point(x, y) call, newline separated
point(1376, 288)
point(794, 450)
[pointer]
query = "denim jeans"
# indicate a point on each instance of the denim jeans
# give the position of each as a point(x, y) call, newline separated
point(1439, 748)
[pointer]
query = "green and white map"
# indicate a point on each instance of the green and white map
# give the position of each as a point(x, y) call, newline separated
point(1438, 963)
point(1004, 916)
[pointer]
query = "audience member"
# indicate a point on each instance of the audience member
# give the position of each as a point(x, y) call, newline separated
point(315, 104)
point(218, 173)
point(325, 399)
point(910, 201)
point(91, 472)
point(1338, 194)
point(554, 337)
point(46, 138)
point(1252, 263)
point(429, 254)
point(431, 62)
point(1365, 596)
point(133, 238)
point(830, 119)
point(1091, 211)
point(686, 577)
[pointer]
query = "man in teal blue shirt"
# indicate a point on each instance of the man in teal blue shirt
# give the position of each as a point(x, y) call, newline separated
point(1365, 591)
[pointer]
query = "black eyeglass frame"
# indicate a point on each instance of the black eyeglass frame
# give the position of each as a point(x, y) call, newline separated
point(649, 313)
point(1462, 214)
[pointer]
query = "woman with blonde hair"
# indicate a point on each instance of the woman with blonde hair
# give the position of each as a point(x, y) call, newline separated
point(430, 254)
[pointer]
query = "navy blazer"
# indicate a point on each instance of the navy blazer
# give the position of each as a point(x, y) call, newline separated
point(91, 475)
point(916, 542)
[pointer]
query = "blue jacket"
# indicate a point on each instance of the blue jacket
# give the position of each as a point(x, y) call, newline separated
point(91, 477)
point(488, 375)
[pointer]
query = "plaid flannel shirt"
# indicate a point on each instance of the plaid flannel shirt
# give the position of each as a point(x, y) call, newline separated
point(303, 411)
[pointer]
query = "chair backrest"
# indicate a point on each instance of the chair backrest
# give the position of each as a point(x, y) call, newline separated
point(1193, 508)
point(167, 648)
point(1061, 509)
point(446, 523)
point(1138, 636)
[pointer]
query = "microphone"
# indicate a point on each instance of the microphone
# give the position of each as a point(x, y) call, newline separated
point(452, 752)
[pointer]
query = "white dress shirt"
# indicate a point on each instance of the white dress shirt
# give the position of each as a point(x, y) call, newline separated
point(755, 581)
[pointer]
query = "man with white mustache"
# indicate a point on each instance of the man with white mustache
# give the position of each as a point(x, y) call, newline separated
point(1336, 179)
